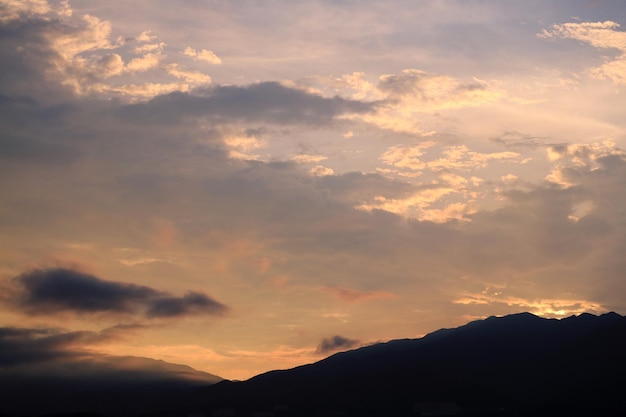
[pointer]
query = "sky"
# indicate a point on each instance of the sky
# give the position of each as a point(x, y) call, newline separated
point(241, 186)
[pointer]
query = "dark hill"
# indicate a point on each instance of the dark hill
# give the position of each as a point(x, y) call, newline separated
point(107, 385)
point(515, 365)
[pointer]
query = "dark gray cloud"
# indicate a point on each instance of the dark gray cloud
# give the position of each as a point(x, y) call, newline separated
point(336, 343)
point(29, 60)
point(190, 303)
point(64, 289)
point(53, 290)
point(24, 122)
point(267, 102)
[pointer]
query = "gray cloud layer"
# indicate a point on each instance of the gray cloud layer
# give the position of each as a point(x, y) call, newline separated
point(45, 291)
point(268, 102)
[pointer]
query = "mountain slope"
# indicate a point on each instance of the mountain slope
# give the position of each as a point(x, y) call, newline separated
point(110, 385)
point(519, 363)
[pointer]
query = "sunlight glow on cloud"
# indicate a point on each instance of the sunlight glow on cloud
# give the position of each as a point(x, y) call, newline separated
point(540, 307)
point(321, 171)
point(90, 60)
point(242, 146)
point(203, 55)
point(404, 156)
point(603, 35)
point(420, 206)
point(308, 159)
point(194, 77)
point(414, 93)
point(15, 9)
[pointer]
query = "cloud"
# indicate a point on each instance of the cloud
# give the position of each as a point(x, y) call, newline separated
point(335, 343)
point(462, 158)
point(268, 102)
point(550, 307)
point(348, 294)
point(16, 9)
point(59, 290)
point(308, 159)
point(143, 63)
point(19, 346)
point(83, 56)
point(419, 205)
point(203, 55)
point(321, 171)
point(602, 35)
point(410, 97)
point(514, 139)
point(195, 77)
point(406, 156)
point(190, 304)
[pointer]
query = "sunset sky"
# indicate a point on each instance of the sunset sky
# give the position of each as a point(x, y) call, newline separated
point(243, 185)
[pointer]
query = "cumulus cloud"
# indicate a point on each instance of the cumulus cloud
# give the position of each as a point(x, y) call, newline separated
point(16, 9)
point(321, 171)
point(335, 344)
point(83, 55)
point(195, 77)
point(407, 156)
point(413, 94)
point(603, 35)
point(203, 55)
point(59, 290)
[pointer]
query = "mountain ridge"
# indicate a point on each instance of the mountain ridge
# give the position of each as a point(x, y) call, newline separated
point(495, 363)
point(519, 364)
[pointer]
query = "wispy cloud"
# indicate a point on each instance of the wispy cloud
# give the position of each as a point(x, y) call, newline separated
point(351, 295)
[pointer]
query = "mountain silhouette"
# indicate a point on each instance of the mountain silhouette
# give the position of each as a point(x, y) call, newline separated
point(514, 365)
point(517, 365)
